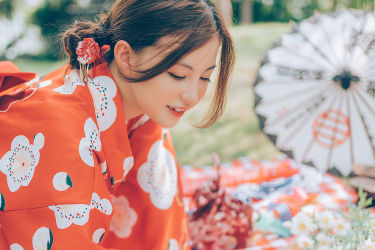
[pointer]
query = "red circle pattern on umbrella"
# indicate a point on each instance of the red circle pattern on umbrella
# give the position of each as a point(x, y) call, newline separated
point(331, 128)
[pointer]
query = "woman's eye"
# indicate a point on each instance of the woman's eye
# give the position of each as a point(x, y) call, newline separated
point(206, 79)
point(176, 76)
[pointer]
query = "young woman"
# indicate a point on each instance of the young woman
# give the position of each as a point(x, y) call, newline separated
point(86, 160)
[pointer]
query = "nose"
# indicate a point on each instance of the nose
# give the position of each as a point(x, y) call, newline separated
point(191, 93)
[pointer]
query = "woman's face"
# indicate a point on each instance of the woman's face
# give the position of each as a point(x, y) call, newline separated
point(166, 97)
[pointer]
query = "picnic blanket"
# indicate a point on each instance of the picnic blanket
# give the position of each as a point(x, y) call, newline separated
point(277, 191)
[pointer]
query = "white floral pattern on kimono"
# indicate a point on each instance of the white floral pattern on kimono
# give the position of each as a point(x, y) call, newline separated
point(71, 82)
point(16, 246)
point(98, 235)
point(42, 239)
point(90, 142)
point(19, 163)
point(79, 214)
point(62, 181)
point(124, 217)
point(128, 164)
point(173, 244)
point(158, 176)
point(103, 89)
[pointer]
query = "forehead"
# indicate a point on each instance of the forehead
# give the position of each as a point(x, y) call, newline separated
point(167, 44)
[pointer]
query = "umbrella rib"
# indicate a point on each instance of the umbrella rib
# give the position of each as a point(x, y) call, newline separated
point(295, 131)
point(298, 107)
point(329, 158)
point(311, 143)
point(364, 125)
point(350, 137)
point(364, 101)
point(290, 95)
point(318, 50)
point(302, 56)
point(330, 44)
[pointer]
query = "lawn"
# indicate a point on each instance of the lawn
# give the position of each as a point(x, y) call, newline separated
point(237, 133)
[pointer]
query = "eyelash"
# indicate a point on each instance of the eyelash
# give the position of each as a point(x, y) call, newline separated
point(176, 77)
point(183, 77)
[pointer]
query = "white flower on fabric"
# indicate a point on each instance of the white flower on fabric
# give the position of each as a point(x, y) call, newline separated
point(124, 217)
point(103, 205)
point(341, 227)
point(305, 242)
point(173, 244)
point(19, 163)
point(62, 181)
point(78, 214)
point(103, 89)
point(71, 82)
point(326, 219)
point(90, 142)
point(16, 246)
point(302, 224)
point(324, 240)
point(368, 245)
point(128, 164)
point(103, 167)
point(66, 215)
point(42, 239)
point(97, 235)
point(158, 176)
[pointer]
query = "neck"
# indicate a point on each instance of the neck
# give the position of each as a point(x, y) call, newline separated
point(131, 109)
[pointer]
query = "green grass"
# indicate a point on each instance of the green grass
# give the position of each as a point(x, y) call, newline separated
point(237, 133)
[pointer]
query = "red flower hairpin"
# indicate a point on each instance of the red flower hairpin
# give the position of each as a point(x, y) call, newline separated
point(87, 51)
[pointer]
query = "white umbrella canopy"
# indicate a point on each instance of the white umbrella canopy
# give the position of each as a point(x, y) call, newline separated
point(315, 91)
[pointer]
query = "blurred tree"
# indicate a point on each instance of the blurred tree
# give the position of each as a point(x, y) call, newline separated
point(7, 8)
point(247, 11)
point(279, 11)
point(310, 7)
point(51, 17)
point(334, 5)
point(55, 16)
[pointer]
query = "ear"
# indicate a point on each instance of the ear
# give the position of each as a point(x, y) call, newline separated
point(122, 56)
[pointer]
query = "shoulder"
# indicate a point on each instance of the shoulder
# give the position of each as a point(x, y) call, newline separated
point(47, 143)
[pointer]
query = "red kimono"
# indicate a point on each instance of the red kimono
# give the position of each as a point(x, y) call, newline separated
point(75, 175)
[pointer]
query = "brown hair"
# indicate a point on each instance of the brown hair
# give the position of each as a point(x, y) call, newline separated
point(143, 22)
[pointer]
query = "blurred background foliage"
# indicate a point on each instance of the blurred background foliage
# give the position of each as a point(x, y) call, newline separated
point(51, 17)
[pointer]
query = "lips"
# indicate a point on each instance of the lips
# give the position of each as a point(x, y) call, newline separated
point(177, 111)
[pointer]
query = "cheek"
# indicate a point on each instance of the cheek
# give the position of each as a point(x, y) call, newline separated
point(202, 90)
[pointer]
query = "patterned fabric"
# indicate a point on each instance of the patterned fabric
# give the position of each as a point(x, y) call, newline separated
point(75, 175)
point(277, 190)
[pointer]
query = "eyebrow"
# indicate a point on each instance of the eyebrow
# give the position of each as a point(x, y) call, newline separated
point(191, 68)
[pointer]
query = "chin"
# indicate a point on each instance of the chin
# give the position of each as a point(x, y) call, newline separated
point(166, 123)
